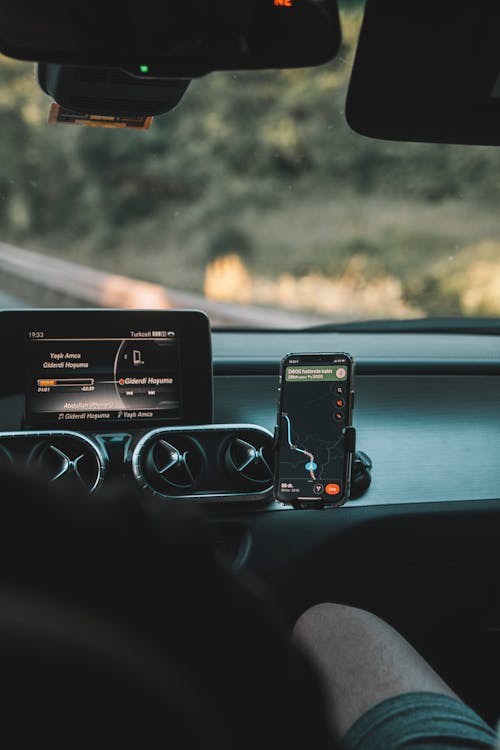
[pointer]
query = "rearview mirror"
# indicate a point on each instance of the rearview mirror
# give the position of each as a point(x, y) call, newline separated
point(177, 39)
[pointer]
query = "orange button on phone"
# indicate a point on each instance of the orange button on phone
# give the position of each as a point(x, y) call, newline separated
point(332, 489)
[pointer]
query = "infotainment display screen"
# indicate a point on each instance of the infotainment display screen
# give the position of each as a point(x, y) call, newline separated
point(84, 368)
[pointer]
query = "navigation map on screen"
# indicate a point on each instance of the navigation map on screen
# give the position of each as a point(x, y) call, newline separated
point(314, 411)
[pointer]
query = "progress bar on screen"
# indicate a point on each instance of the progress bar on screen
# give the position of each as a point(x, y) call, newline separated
point(61, 382)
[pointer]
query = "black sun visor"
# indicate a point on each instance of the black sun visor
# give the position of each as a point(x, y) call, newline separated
point(428, 71)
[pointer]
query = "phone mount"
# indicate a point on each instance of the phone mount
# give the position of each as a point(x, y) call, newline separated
point(361, 466)
point(361, 477)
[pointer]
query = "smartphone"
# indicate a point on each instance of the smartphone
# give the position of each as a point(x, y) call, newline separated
point(313, 457)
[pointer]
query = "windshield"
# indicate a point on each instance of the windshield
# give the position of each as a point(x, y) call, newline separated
point(253, 200)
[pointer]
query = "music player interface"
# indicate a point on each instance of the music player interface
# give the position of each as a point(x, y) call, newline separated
point(130, 377)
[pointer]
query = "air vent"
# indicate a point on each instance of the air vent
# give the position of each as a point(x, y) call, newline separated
point(173, 464)
point(68, 459)
point(211, 464)
point(248, 460)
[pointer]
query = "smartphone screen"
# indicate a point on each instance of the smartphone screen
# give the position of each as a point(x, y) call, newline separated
point(315, 407)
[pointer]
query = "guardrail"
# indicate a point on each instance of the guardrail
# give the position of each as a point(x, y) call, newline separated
point(47, 281)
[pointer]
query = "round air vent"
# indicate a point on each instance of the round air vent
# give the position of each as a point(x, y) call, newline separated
point(211, 464)
point(69, 459)
point(170, 465)
point(248, 460)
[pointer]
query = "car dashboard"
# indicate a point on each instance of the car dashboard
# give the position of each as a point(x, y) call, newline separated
point(419, 548)
point(427, 409)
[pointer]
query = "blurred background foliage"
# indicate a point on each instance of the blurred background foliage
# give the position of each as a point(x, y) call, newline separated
point(261, 168)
